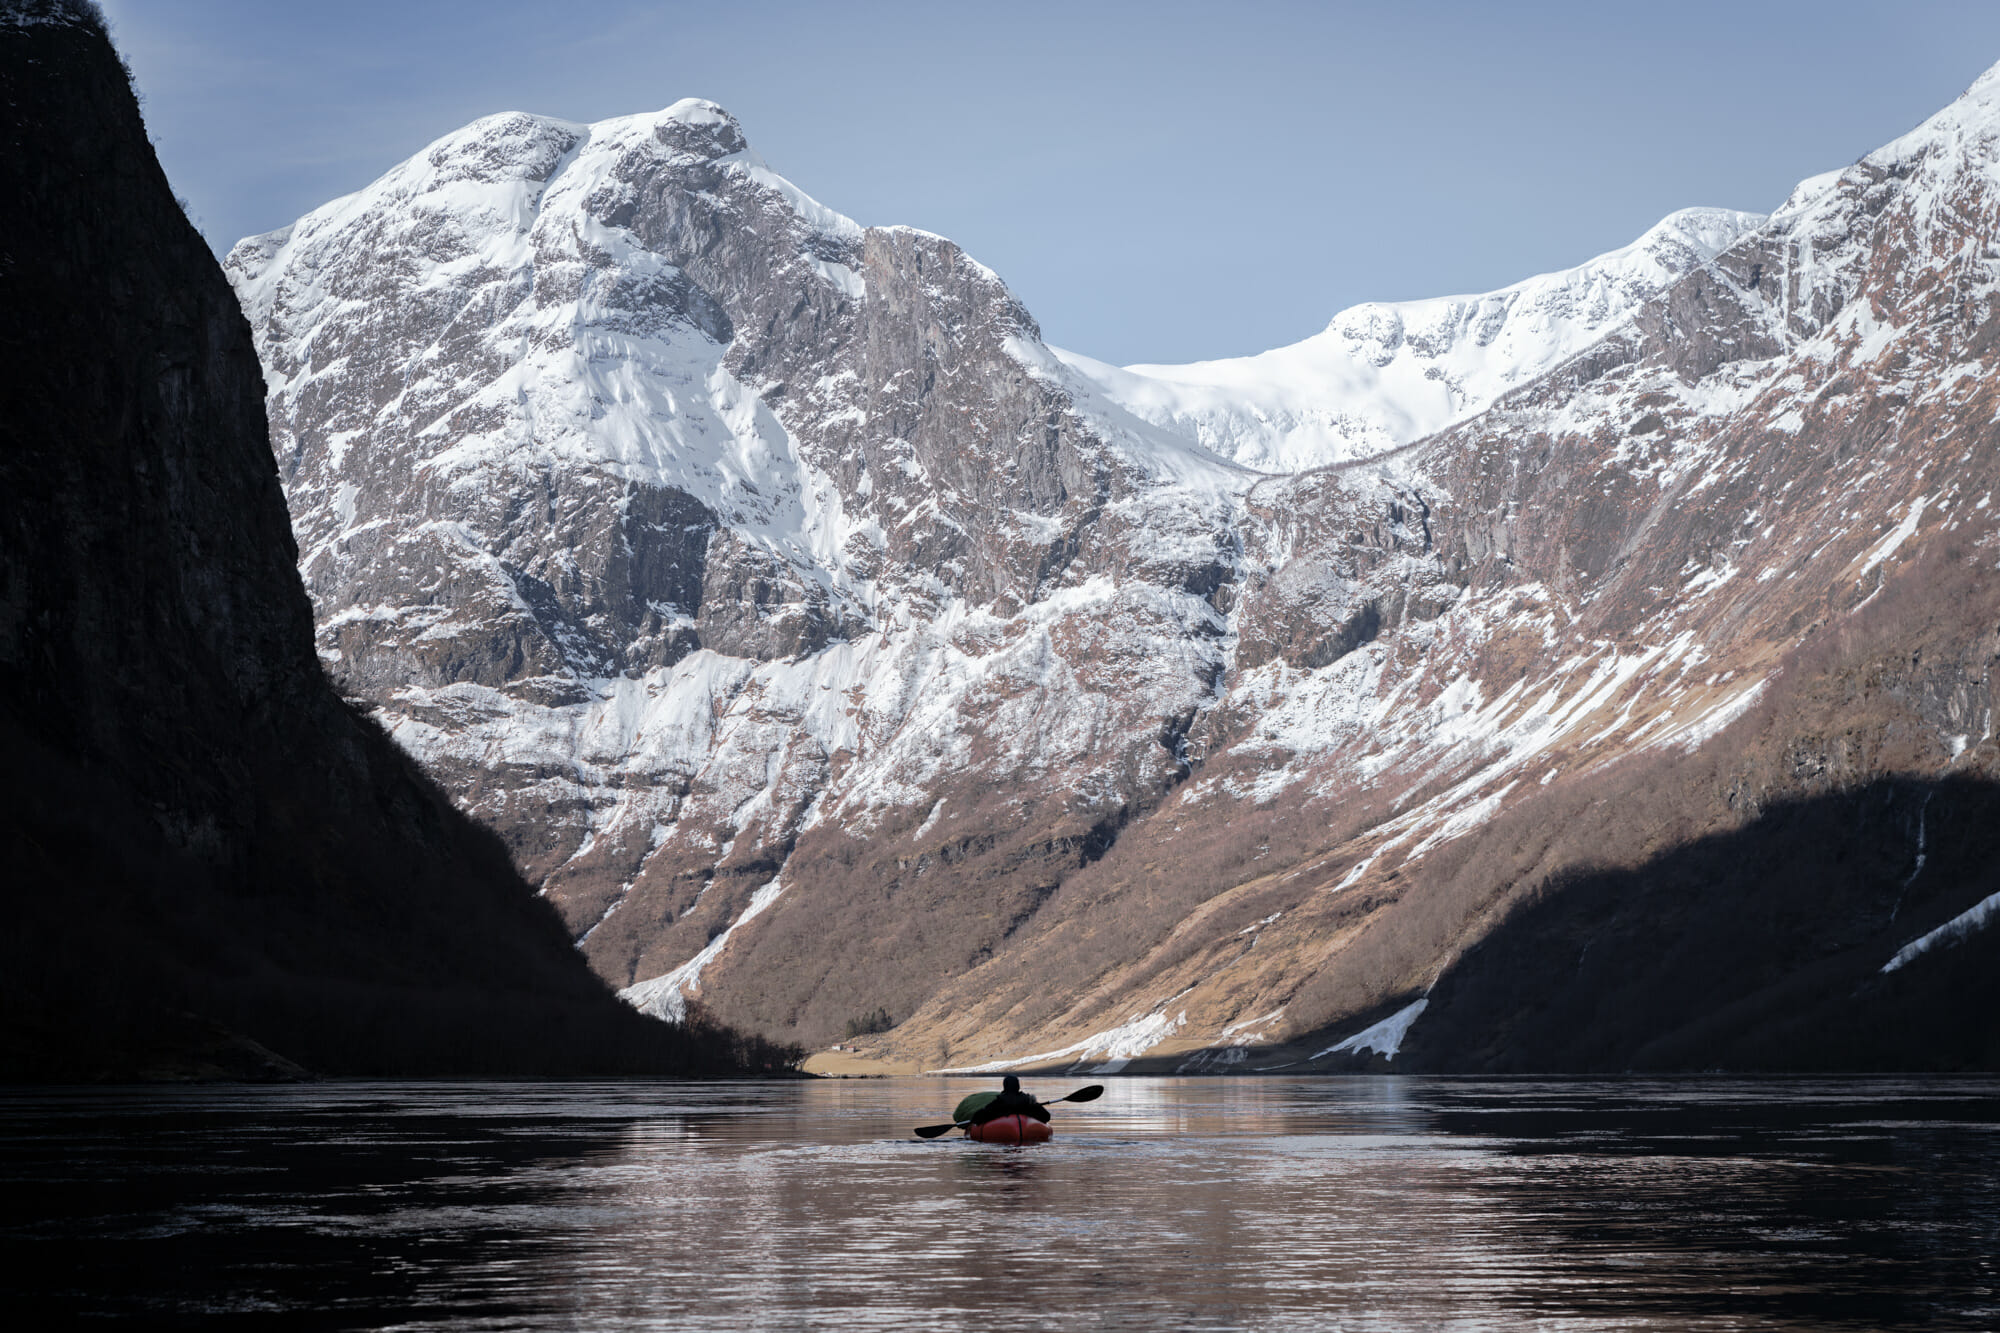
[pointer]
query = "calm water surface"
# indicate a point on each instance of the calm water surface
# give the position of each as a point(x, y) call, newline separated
point(1350, 1203)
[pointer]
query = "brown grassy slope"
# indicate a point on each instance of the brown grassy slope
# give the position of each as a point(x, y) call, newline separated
point(1729, 908)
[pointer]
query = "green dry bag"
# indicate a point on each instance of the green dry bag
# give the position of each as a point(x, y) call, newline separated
point(967, 1108)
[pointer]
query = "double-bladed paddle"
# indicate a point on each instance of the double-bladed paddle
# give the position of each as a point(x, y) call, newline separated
point(1089, 1094)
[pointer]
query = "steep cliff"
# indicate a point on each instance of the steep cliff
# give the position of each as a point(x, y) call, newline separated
point(216, 866)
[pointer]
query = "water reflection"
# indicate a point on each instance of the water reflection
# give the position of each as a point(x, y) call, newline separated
point(1358, 1203)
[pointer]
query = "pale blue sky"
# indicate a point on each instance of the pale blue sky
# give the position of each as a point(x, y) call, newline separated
point(1158, 182)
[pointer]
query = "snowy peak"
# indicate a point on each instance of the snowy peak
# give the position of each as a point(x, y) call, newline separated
point(700, 128)
point(1677, 243)
point(1957, 148)
point(490, 177)
point(1515, 333)
point(534, 301)
point(1590, 295)
point(1851, 253)
point(1964, 132)
point(1385, 373)
point(533, 240)
point(1959, 143)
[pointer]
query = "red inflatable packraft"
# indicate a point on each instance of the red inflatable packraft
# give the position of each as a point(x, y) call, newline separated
point(1010, 1129)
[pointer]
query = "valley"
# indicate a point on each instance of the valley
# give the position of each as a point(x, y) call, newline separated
point(824, 644)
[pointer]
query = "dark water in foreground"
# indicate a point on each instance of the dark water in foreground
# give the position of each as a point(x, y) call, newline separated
point(1357, 1203)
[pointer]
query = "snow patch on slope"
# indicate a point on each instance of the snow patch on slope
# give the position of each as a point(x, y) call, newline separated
point(667, 996)
point(1384, 1038)
point(1116, 1047)
point(1973, 918)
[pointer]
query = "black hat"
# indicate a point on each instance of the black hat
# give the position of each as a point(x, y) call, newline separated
point(1010, 1084)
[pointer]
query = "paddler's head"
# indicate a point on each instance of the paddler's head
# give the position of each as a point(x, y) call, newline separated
point(1010, 1084)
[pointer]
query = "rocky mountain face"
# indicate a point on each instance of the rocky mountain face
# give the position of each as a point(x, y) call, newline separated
point(827, 646)
point(673, 519)
point(216, 866)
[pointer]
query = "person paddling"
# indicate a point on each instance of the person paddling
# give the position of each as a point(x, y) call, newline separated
point(982, 1108)
point(1011, 1101)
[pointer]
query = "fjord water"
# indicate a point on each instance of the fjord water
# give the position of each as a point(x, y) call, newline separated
point(1353, 1203)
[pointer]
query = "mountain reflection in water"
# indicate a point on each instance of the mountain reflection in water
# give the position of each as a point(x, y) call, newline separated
point(1354, 1203)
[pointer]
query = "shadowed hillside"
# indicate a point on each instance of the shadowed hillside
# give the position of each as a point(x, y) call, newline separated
point(214, 865)
point(1759, 949)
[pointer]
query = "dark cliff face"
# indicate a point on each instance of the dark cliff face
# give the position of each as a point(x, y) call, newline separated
point(211, 857)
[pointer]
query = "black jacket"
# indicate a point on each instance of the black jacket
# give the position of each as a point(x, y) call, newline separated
point(1011, 1103)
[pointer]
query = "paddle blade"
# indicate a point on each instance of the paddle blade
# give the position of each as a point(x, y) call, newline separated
point(932, 1131)
point(1089, 1094)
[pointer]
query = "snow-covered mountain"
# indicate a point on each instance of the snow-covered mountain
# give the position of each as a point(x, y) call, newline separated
point(1383, 374)
point(669, 515)
point(828, 646)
